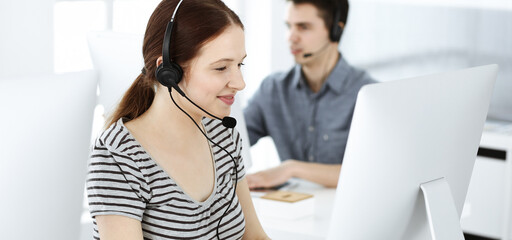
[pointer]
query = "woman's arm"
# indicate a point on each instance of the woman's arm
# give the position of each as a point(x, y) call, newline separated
point(253, 228)
point(116, 227)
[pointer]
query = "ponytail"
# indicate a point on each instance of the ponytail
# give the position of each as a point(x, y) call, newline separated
point(135, 102)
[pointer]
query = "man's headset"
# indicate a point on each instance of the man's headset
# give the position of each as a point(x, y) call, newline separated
point(336, 29)
point(334, 33)
point(170, 74)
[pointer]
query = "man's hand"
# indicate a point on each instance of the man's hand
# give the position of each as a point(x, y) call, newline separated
point(324, 174)
point(271, 177)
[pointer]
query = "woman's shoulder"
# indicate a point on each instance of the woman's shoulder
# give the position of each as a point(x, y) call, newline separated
point(114, 136)
point(115, 146)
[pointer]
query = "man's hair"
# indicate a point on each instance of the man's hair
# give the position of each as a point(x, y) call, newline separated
point(327, 8)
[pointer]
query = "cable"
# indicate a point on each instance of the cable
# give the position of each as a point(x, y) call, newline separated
point(215, 144)
point(211, 115)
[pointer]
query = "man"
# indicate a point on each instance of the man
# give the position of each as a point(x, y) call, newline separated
point(307, 110)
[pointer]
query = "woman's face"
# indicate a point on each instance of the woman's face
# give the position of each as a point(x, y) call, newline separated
point(214, 75)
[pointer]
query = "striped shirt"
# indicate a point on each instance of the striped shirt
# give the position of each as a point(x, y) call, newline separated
point(123, 179)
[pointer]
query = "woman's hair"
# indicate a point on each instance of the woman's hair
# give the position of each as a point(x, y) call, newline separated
point(196, 23)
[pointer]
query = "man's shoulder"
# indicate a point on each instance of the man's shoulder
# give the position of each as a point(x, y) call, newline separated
point(356, 75)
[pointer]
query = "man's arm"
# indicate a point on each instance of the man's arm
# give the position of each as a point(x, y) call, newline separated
point(324, 174)
point(257, 108)
point(254, 121)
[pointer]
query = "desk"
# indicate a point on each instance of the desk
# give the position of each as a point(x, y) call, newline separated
point(487, 210)
point(306, 228)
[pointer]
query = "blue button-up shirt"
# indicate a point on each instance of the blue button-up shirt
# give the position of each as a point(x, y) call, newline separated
point(304, 125)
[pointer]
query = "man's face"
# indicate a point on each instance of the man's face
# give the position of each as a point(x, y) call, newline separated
point(306, 31)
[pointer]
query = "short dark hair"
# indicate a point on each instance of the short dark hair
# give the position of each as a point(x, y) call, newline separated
point(327, 8)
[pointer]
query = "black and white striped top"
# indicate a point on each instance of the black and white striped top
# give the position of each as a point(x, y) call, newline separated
point(122, 179)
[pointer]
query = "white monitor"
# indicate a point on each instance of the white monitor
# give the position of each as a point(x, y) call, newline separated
point(45, 130)
point(117, 57)
point(410, 155)
point(241, 127)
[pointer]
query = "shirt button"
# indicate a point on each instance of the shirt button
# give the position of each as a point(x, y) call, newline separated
point(326, 137)
point(311, 128)
point(311, 158)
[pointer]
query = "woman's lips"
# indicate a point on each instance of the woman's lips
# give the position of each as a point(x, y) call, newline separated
point(227, 99)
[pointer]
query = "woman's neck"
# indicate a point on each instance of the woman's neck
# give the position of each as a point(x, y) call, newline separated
point(168, 123)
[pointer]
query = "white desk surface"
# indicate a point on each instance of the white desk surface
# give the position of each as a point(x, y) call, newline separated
point(309, 227)
point(316, 226)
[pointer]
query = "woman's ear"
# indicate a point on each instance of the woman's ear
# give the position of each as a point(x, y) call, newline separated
point(159, 61)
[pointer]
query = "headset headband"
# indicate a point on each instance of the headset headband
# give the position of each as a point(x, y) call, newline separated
point(167, 38)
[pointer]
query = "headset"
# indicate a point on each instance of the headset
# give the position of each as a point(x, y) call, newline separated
point(170, 74)
point(336, 30)
point(334, 33)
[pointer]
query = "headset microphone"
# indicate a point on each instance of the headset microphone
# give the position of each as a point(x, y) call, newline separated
point(306, 55)
point(228, 122)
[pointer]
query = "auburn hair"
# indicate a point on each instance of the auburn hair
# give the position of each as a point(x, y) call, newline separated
point(196, 23)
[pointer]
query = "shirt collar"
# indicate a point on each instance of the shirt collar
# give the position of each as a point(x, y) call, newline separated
point(335, 80)
point(298, 80)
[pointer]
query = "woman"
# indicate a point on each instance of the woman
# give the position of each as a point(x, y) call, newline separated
point(152, 173)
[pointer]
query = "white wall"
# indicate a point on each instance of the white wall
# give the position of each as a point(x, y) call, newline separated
point(395, 39)
point(254, 15)
point(281, 59)
point(26, 42)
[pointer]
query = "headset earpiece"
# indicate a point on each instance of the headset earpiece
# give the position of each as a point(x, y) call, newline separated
point(169, 73)
point(336, 29)
point(170, 76)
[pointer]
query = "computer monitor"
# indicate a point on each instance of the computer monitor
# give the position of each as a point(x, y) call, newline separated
point(409, 156)
point(241, 127)
point(117, 57)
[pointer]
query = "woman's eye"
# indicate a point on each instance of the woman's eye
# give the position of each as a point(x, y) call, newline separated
point(220, 69)
point(240, 65)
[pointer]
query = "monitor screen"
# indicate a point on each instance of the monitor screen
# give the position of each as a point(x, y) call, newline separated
point(404, 135)
point(238, 114)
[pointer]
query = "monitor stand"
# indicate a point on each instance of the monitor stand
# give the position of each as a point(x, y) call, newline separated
point(442, 215)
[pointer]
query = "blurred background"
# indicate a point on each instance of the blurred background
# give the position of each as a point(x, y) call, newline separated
point(391, 39)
